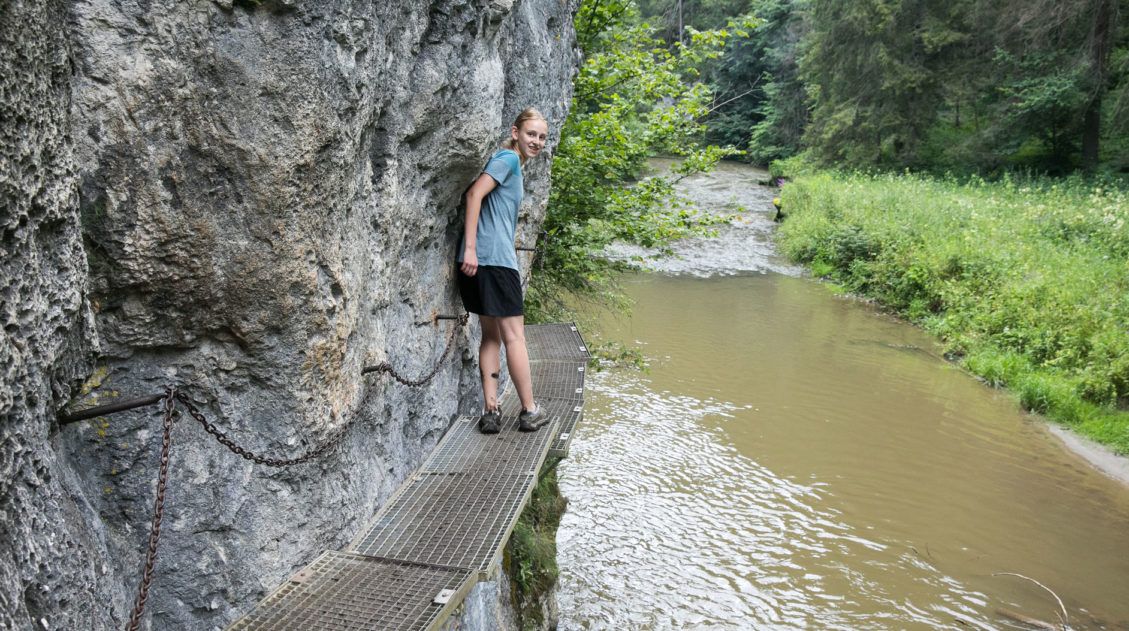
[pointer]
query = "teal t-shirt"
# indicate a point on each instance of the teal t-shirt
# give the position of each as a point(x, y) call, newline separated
point(497, 221)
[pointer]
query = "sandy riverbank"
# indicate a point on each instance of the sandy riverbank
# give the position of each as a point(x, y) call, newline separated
point(1099, 456)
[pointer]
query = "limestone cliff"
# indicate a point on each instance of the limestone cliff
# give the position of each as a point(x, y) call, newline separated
point(47, 560)
point(254, 199)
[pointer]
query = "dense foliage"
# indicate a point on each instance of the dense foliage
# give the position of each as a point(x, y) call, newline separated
point(1026, 280)
point(633, 97)
point(961, 85)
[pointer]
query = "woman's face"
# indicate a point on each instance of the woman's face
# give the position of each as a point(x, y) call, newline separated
point(531, 137)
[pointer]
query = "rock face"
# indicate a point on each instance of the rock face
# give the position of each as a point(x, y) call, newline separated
point(46, 558)
point(267, 196)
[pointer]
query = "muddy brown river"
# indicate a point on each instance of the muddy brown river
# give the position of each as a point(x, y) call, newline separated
point(798, 460)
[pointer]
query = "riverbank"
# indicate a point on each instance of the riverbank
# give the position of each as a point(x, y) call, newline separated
point(531, 555)
point(1026, 282)
point(1098, 455)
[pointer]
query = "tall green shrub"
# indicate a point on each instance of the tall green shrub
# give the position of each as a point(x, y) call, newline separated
point(634, 97)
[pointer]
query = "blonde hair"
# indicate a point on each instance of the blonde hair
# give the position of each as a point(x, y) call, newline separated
point(528, 114)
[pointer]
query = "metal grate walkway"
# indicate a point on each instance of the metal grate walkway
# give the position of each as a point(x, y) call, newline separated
point(445, 528)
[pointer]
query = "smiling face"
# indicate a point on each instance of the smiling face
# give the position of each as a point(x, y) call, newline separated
point(530, 139)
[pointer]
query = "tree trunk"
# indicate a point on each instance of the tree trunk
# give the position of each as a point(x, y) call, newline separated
point(1091, 133)
point(1104, 15)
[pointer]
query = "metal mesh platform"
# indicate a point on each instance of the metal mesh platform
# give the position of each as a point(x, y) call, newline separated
point(558, 379)
point(564, 413)
point(447, 524)
point(555, 342)
point(460, 519)
point(348, 591)
point(465, 449)
point(565, 427)
point(555, 350)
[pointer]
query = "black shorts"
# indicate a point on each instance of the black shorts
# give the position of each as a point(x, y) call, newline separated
point(492, 291)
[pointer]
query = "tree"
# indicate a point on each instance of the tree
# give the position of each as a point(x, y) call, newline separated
point(1050, 69)
point(759, 101)
point(633, 97)
point(1103, 28)
point(670, 17)
point(871, 68)
point(953, 85)
point(782, 113)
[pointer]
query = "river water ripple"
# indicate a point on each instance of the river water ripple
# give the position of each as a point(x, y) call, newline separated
point(743, 245)
point(796, 460)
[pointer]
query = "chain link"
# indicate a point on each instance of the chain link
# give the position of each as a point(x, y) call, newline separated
point(334, 437)
point(169, 404)
point(386, 367)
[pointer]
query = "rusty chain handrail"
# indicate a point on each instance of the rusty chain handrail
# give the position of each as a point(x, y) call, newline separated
point(158, 512)
point(336, 435)
point(331, 441)
point(386, 367)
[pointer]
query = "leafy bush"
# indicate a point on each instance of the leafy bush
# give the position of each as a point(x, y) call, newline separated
point(531, 555)
point(789, 167)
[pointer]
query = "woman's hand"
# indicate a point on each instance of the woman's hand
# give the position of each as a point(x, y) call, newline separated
point(470, 262)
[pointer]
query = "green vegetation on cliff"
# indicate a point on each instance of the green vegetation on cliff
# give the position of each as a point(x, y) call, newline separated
point(531, 554)
point(1025, 280)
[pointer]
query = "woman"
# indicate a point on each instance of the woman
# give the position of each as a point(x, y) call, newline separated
point(488, 276)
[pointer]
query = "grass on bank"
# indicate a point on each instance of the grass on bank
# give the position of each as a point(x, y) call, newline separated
point(1026, 280)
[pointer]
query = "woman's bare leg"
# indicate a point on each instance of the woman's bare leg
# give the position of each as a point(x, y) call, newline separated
point(517, 357)
point(489, 360)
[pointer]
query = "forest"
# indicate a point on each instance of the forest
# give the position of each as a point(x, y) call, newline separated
point(963, 85)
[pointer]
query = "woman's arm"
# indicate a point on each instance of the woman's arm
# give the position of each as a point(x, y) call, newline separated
point(474, 196)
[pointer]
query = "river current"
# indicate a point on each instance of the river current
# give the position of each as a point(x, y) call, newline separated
point(795, 459)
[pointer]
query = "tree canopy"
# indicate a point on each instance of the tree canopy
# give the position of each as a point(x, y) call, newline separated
point(941, 84)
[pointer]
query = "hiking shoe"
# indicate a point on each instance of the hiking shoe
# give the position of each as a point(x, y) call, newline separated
point(490, 422)
point(531, 421)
